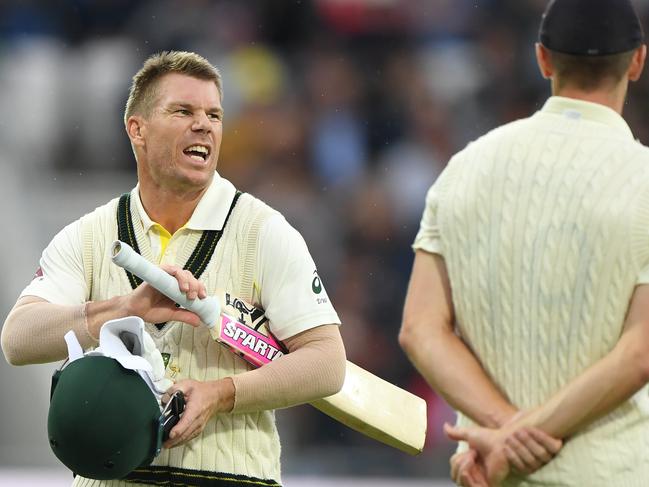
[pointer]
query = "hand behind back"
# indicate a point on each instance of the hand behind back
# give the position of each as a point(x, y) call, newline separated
point(493, 453)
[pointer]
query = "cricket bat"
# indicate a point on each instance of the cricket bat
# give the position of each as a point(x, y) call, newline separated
point(366, 403)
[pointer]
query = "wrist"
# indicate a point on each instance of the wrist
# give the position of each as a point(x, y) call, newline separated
point(499, 419)
point(99, 312)
point(225, 391)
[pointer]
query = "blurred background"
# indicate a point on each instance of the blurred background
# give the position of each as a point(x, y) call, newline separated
point(339, 113)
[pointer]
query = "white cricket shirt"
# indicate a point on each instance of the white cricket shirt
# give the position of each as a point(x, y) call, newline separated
point(286, 277)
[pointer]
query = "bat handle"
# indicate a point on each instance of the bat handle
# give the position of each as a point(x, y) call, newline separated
point(208, 309)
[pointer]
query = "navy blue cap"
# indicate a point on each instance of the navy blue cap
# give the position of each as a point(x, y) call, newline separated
point(590, 27)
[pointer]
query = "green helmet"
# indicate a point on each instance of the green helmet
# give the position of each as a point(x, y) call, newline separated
point(105, 419)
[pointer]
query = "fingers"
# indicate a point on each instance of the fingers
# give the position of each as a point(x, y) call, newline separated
point(181, 385)
point(180, 433)
point(550, 443)
point(186, 317)
point(194, 417)
point(474, 477)
point(184, 431)
point(459, 461)
point(164, 399)
point(527, 453)
point(166, 395)
point(520, 446)
point(187, 283)
point(455, 433)
point(465, 471)
point(515, 459)
point(535, 448)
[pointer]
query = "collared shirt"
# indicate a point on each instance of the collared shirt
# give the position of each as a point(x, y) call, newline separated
point(209, 214)
point(286, 271)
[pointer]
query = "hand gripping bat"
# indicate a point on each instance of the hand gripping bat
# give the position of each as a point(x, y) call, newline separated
point(366, 403)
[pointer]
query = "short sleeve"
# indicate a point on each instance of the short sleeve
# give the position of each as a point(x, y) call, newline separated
point(291, 291)
point(60, 278)
point(643, 277)
point(428, 236)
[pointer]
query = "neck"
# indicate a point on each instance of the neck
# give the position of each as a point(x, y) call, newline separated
point(612, 98)
point(171, 209)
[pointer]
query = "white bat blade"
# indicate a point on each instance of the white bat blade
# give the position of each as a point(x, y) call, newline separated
point(378, 409)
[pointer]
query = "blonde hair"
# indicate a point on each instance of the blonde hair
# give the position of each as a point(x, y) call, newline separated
point(142, 94)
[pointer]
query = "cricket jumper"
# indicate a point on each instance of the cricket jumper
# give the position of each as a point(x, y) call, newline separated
point(544, 228)
point(223, 448)
point(233, 449)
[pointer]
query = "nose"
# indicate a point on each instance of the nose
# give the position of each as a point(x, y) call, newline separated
point(201, 122)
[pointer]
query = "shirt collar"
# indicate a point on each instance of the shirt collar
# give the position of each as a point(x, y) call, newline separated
point(595, 112)
point(211, 211)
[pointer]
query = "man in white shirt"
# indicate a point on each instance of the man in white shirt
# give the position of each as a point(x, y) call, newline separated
point(182, 213)
point(527, 305)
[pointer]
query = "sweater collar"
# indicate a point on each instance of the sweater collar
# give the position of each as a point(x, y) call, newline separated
point(594, 112)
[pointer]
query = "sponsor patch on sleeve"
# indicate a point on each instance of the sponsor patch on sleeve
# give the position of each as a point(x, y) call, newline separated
point(316, 287)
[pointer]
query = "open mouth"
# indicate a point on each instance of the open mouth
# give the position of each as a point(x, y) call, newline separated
point(198, 152)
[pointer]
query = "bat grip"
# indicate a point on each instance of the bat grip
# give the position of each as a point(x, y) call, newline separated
point(208, 309)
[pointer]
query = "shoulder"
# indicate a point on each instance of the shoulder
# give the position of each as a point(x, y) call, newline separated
point(638, 149)
point(277, 226)
point(273, 224)
point(107, 209)
point(502, 134)
point(253, 202)
point(252, 209)
point(492, 140)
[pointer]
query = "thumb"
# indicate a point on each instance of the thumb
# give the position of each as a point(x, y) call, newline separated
point(182, 386)
point(187, 317)
point(455, 433)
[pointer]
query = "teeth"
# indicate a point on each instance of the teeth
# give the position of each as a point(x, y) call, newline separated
point(198, 148)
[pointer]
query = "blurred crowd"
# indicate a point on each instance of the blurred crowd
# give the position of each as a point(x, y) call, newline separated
point(339, 113)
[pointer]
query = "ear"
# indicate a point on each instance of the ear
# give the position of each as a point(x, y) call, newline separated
point(544, 60)
point(135, 128)
point(637, 63)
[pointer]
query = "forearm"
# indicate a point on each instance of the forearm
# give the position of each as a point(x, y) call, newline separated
point(597, 391)
point(313, 368)
point(450, 368)
point(439, 355)
point(33, 332)
point(605, 384)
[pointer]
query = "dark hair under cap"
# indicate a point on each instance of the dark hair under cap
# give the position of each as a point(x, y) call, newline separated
point(590, 27)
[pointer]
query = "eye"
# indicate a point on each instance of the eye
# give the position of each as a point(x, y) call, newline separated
point(183, 111)
point(216, 116)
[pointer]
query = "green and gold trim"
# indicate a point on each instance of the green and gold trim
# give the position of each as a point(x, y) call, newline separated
point(161, 475)
point(197, 262)
point(126, 232)
point(200, 258)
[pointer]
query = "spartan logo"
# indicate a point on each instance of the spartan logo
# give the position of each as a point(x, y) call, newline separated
point(248, 315)
point(316, 285)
